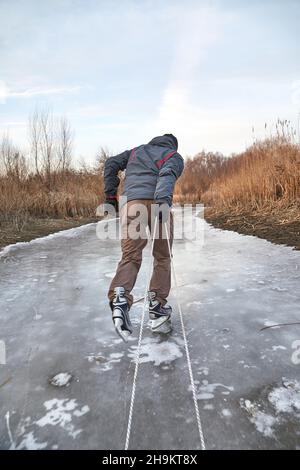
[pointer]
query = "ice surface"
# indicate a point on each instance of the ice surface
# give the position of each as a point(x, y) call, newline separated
point(230, 287)
point(70, 233)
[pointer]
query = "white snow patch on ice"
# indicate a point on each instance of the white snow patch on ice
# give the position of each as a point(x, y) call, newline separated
point(209, 407)
point(262, 421)
point(60, 412)
point(274, 348)
point(206, 390)
point(286, 399)
point(192, 286)
point(226, 413)
point(106, 363)
point(205, 396)
point(195, 302)
point(62, 379)
point(203, 370)
point(116, 355)
point(29, 442)
point(157, 352)
point(279, 289)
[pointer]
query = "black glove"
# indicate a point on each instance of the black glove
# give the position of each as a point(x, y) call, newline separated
point(163, 211)
point(113, 201)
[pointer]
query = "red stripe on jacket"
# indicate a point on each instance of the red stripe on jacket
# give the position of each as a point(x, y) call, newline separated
point(159, 163)
point(132, 155)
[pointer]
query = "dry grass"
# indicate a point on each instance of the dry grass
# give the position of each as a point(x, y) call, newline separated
point(73, 194)
point(265, 179)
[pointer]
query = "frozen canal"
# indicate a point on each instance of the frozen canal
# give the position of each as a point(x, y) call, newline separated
point(67, 379)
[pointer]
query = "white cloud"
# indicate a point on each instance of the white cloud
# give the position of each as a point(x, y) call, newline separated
point(6, 93)
point(200, 28)
point(3, 92)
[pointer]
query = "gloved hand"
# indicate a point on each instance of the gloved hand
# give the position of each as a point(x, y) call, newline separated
point(113, 201)
point(163, 211)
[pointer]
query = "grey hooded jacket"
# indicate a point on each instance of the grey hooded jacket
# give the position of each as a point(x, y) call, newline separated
point(151, 170)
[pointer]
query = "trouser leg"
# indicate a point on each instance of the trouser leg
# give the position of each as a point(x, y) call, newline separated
point(131, 260)
point(161, 277)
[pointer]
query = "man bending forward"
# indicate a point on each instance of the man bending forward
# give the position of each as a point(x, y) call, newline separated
point(151, 172)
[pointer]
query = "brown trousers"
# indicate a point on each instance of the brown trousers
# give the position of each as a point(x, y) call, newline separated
point(132, 248)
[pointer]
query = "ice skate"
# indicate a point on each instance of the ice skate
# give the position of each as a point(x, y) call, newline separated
point(159, 316)
point(120, 314)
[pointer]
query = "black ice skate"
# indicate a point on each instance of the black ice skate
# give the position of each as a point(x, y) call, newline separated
point(120, 314)
point(159, 316)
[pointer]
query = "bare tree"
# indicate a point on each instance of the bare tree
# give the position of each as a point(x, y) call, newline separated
point(64, 144)
point(51, 145)
point(47, 146)
point(12, 161)
point(35, 138)
point(101, 158)
point(6, 154)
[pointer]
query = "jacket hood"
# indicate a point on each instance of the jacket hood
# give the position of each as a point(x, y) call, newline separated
point(166, 140)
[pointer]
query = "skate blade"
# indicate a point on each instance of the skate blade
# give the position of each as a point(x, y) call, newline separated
point(124, 334)
point(158, 322)
point(164, 329)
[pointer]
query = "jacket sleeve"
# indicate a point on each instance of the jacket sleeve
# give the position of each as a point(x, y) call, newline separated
point(168, 174)
point(111, 169)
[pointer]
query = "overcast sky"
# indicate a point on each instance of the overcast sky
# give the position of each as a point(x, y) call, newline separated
point(123, 71)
